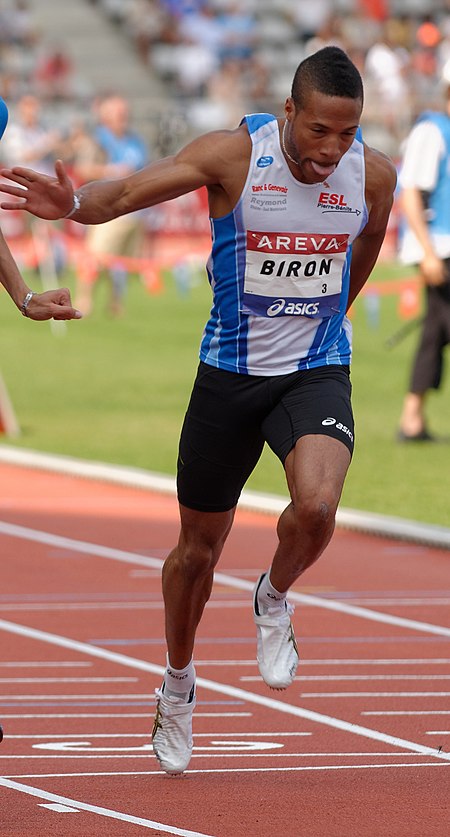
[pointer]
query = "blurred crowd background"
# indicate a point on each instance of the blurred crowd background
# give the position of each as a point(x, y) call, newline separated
point(172, 69)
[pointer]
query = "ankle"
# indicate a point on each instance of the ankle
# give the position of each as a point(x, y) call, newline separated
point(268, 597)
point(179, 683)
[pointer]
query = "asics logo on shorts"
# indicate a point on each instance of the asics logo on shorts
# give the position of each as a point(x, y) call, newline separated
point(330, 421)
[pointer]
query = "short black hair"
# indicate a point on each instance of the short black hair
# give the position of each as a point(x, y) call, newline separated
point(328, 71)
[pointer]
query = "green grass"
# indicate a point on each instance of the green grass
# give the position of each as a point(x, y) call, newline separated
point(115, 390)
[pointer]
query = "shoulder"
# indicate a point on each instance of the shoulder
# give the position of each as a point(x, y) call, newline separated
point(381, 176)
point(218, 153)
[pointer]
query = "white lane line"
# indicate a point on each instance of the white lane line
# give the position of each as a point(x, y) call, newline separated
point(124, 735)
point(69, 679)
point(198, 714)
point(216, 753)
point(223, 689)
point(411, 712)
point(333, 678)
point(224, 770)
point(95, 809)
point(80, 606)
point(31, 697)
point(38, 536)
point(387, 601)
point(438, 732)
point(60, 809)
point(53, 664)
point(336, 662)
point(372, 694)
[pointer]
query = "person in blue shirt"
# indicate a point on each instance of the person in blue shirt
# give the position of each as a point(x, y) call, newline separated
point(117, 151)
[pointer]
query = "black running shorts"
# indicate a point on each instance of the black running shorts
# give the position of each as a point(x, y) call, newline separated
point(231, 415)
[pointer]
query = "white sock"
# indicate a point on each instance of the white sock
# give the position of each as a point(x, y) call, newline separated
point(269, 597)
point(179, 682)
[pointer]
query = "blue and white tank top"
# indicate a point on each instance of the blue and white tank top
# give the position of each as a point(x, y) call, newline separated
point(279, 267)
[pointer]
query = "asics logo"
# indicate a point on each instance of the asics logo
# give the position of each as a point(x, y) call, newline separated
point(330, 421)
point(305, 309)
point(276, 307)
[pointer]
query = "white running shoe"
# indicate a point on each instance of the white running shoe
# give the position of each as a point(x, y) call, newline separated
point(172, 731)
point(277, 652)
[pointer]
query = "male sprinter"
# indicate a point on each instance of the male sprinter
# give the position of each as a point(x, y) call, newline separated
point(299, 207)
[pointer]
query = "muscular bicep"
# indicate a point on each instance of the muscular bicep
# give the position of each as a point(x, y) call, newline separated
point(204, 162)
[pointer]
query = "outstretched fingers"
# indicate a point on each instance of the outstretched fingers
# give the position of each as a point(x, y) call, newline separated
point(22, 175)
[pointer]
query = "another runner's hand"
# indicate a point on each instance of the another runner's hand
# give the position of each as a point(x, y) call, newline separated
point(44, 196)
point(55, 304)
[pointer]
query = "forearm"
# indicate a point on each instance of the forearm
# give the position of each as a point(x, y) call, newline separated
point(102, 200)
point(97, 202)
point(10, 276)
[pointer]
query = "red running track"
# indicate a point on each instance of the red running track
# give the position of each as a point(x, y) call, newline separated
point(357, 746)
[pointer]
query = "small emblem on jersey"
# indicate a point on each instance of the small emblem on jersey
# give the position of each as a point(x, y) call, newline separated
point(264, 161)
point(332, 202)
point(329, 420)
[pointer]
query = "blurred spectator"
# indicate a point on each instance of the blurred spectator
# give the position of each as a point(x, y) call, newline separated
point(28, 141)
point(328, 34)
point(147, 23)
point(387, 65)
point(17, 23)
point(425, 183)
point(53, 75)
point(238, 33)
point(118, 151)
point(309, 18)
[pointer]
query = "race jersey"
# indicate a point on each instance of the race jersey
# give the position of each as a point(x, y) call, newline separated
point(279, 267)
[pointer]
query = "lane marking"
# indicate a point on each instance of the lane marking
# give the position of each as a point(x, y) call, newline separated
point(224, 770)
point(95, 809)
point(60, 809)
point(386, 601)
point(213, 603)
point(123, 735)
point(86, 548)
point(438, 732)
point(217, 753)
point(130, 697)
point(223, 689)
point(336, 662)
point(80, 606)
point(124, 715)
point(411, 712)
point(69, 679)
point(333, 678)
point(372, 694)
point(30, 664)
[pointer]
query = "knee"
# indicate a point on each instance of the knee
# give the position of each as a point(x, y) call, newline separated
point(313, 517)
point(198, 556)
point(317, 517)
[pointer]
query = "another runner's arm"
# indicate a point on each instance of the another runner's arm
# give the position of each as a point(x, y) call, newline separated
point(207, 161)
point(381, 180)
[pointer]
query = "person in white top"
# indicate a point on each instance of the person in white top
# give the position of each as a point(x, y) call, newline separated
point(425, 242)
